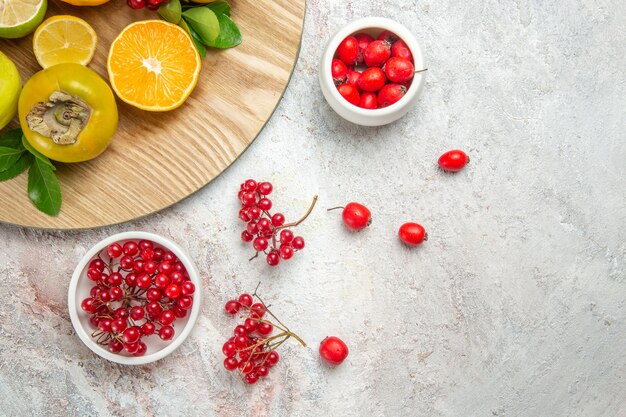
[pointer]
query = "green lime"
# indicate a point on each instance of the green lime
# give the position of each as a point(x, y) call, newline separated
point(18, 18)
point(10, 87)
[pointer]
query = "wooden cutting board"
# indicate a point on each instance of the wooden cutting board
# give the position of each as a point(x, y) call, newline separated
point(158, 159)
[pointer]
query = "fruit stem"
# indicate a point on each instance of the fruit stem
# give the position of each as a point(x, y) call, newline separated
point(335, 208)
point(422, 70)
point(294, 224)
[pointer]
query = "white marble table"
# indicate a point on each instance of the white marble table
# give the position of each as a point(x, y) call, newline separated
point(514, 307)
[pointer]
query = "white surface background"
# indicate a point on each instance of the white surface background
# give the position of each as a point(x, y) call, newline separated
point(514, 307)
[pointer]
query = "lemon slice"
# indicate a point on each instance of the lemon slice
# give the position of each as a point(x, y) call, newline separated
point(63, 40)
point(18, 18)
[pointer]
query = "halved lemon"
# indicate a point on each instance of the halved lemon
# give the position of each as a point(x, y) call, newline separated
point(153, 65)
point(63, 40)
point(18, 18)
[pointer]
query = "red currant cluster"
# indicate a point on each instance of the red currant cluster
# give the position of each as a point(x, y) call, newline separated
point(387, 69)
point(252, 349)
point(148, 4)
point(140, 291)
point(268, 232)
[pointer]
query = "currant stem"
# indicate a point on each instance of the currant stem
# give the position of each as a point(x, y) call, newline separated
point(294, 224)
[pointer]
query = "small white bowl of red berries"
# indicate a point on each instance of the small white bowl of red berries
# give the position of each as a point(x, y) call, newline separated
point(372, 71)
point(134, 298)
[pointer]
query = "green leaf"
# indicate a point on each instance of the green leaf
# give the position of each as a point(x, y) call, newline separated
point(230, 36)
point(194, 37)
point(220, 7)
point(204, 22)
point(171, 11)
point(37, 154)
point(17, 168)
point(9, 156)
point(12, 139)
point(44, 189)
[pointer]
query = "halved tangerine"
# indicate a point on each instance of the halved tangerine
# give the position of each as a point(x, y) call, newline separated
point(153, 65)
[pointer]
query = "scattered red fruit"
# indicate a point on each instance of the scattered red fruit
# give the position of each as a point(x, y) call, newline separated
point(372, 79)
point(348, 50)
point(369, 101)
point(377, 53)
point(333, 350)
point(453, 161)
point(350, 93)
point(390, 94)
point(412, 234)
point(401, 50)
point(140, 290)
point(355, 216)
point(340, 72)
point(399, 70)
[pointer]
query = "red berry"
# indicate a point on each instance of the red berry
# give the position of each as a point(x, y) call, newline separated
point(453, 161)
point(254, 212)
point(286, 252)
point(265, 225)
point(401, 50)
point(188, 288)
point(245, 299)
point(258, 309)
point(89, 305)
point(390, 94)
point(250, 185)
point(118, 325)
point(265, 188)
point(246, 236)
point(252, 378)
point(167, 317)
point(141, 350)
point(333, 350)
point(172, 291)
point(243, 214)
point(399, 70)
point(278, 220)
point(131, 347)
point(241, 342)
point(369, 101)
point(150, 266)
point(131, 335)
point(240, 330)
point(185, 302)
point(115, 346)
point(339, 71)
point(250, 325)
point(145, 244)
point(412, 234)
point(153, 309)
point(136, 4)
point(265, 204)
point(148, 328)
point(248, 199)
point(147, 254)
point(286, 236)
point(105, 325)
point(97, 263)
point(137, 313)
point(388, 37)
point(377, 53)
point(363, 40)
point(246, 366)
point(143, 280)
point(265, 328)
point(121, 313)
point(260, 244)
point(127, 262)
point(272, 358)
point(273, 258)
point(356, 216)
point(232, 307)
point(353, 79)
point(298, 243)
point(115, 279)
point(252, 228)
point(161, 281)
point(116, 293)
point(350, 93)
point(230, 364)
point(114, 250)
point(372, 79)
point(94, 274)
point(166, 332)
point(348, 50)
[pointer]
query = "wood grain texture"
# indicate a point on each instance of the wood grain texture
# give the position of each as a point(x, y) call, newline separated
point(161, 158)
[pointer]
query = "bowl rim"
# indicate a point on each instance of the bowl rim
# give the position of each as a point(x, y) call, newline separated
point(73, 306)
point(374, 22)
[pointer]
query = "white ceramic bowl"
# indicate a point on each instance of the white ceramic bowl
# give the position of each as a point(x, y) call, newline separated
point(80, 286)
point(372, 26)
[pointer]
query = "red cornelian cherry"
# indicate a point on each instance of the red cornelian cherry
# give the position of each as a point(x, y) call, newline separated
point(401, 50)
point(348, 50)
point(388, 36)
point(399, 70)
point(350, 93)
point(363, 40)
point(339, 71)
point(333, 350)
point(353, 79)
point(390, 94)
point(412, 234)
point(453, 161)
point(377, 53)
point(356, 216)
point(372, 79)
point(369, 101)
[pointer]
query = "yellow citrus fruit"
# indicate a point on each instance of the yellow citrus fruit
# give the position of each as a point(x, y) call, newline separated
point(10, 87)
point(18, 18)
point(153, 65)
point(85, 2)
point(64, 40)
